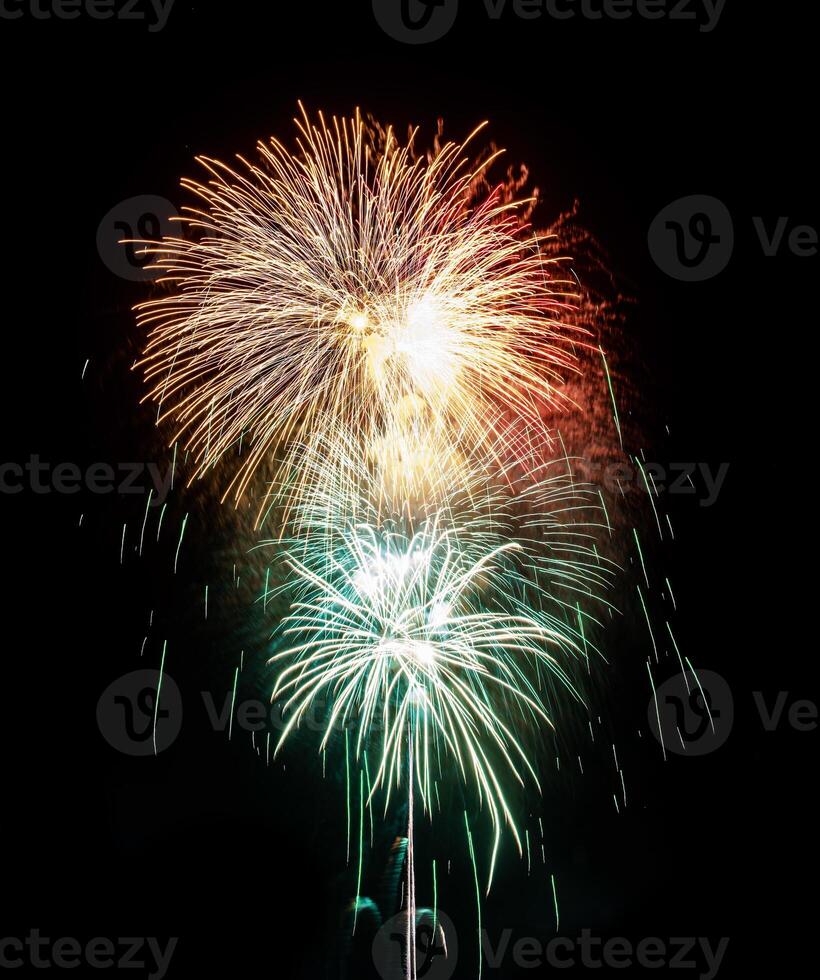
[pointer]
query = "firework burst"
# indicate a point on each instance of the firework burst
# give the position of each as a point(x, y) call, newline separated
point(412, 641)
point(447, 633)
point(381, 336)
point(353, 285)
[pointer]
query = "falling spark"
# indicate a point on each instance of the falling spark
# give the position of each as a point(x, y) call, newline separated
point(435, 898)
point(680, 658)
point(233, 702)
point(361, 849)
point(657, 711)
point(179, 543)
point(477, 892)
point(159, 523)
point(702, 694)
point(159, 688)
point(145, 518)
point(671, 595)
point(648, 622)
point(650, 494)
point(640, 553)
point(612, 396)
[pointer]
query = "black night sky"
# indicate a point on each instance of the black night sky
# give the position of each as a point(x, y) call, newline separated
point(243, 863)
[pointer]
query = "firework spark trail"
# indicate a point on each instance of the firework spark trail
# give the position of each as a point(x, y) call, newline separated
point(411, 861)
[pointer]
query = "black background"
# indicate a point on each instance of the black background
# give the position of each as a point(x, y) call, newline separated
point(246, 864)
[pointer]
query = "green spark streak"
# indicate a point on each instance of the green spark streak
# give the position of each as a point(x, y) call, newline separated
point(672, 595)
point(161, 515)
point(435, 897)
point(612, 396)
point(606, 512)
point(651, 496)
point(640, 553)
point(648, 622)
point(583, 634)
point(657, 712)
point(708, 709)
point(347, 785)
point(680, 658)
point(85, 367)
point(206, 601)
point(122, 543)
point(179, 543)
point(555, 902)
point(145, 518)
point(529, 856)
point(265, 597)
point(477, 889)
point(369, 794)
point(173, 466)
point(233, 702)
point(361, 849)
point(159, 688)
